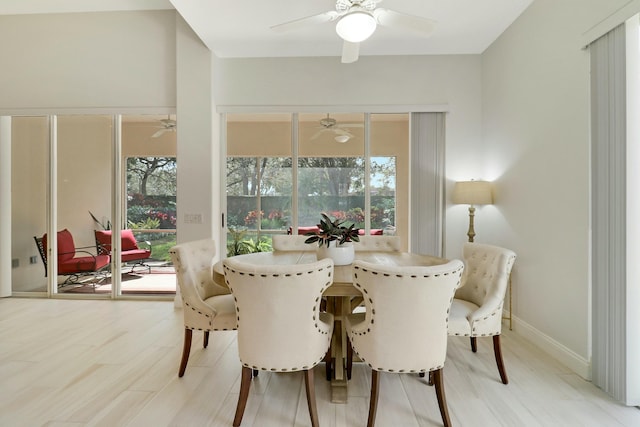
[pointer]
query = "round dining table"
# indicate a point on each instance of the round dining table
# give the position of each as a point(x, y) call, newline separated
point(342, 297)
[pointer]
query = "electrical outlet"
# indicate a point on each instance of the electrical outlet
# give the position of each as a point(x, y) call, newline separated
point(33, 260)
point(15, 263)
point(193, 218)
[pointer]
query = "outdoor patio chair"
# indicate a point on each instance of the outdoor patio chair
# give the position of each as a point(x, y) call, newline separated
point(130, 252)
point(74, 262)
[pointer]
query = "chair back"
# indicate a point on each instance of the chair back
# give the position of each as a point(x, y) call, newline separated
point(280, 327)
point(128, 241)
point(376, 243)
point(486, 274)
point(407, 311)
point(287, 242)
point(66, 245)
point(194, 262)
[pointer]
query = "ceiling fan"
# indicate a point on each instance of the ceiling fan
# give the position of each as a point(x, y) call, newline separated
point(166, 125)
point(357, 20)
point(329, 124)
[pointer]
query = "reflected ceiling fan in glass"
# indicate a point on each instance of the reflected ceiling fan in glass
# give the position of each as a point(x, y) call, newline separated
point(166, 125)
point(330, 125)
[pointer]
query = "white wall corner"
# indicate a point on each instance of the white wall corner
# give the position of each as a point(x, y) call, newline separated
point(553, 348)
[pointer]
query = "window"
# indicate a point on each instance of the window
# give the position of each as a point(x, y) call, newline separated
point(277, 181)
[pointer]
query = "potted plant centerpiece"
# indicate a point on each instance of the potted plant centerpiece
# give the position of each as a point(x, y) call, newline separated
point(334, 240)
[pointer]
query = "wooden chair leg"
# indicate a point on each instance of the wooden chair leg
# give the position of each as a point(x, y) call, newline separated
point(311, 396)
point(442, 401)
point(245, 384)
point(205, 342)
point(498, 353)
point(327, 364)
point(186, 349)
point(474, 344)
point(349, 359)
point(373, 402)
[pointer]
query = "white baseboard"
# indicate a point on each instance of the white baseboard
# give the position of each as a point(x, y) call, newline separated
point(564, 355)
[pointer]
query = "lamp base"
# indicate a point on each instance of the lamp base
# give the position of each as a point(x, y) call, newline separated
point(471, 233)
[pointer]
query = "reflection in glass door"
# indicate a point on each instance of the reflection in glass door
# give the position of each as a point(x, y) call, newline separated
point(84, 170)
point(29, 178)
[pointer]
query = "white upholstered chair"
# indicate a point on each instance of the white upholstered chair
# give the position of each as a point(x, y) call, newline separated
point(280, 326)
point(207, 306)
point(286, 242)
point(404, 328)
point(477, 308)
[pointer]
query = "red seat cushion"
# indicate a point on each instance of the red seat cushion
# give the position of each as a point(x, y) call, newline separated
point(83, 264)
point(373, 232)
point(135, 255)
point(305, 230)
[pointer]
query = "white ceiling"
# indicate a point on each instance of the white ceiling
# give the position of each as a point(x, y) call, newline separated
point(241, 28)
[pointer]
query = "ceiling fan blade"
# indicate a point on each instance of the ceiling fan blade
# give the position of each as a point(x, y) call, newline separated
point(158, 133)
point(350, 52)
point(297, 24)
point(320, 132)
point(340, 131)
point(417, 24)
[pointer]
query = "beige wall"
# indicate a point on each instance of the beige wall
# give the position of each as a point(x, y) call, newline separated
point(63, 62)
point(536, 145)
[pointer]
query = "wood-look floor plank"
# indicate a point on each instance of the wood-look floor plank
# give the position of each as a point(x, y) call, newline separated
point(114, 363)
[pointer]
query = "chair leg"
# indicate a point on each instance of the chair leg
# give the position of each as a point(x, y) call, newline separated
point(498, 352)
point(186, 349)
point(327, 364)
point(474, 344)
point(442, 401)
point(349, 358)
point(373, 402)
point(311, 396)
point(205, 342)
point(245, 384)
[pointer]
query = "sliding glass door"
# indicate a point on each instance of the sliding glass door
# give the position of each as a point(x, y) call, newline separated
point(70, 176)
point(283, 170)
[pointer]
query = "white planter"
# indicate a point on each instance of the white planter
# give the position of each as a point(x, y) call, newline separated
point(340, 254)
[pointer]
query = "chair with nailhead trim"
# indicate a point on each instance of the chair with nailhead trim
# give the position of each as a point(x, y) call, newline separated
point(477, 308)
point(207, 306)
point(280, 325)
point(404, 327)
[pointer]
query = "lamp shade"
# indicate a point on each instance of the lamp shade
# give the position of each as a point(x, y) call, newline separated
point(472, 193)
point(356, 26)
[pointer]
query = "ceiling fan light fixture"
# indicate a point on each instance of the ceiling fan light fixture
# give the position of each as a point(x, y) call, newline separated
point(342, 138)
point(356, 26)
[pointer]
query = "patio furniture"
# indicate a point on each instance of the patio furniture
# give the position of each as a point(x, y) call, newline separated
point(130, 252)
point(74, 262)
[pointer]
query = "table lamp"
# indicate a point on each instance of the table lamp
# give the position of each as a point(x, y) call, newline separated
point(472, 193)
